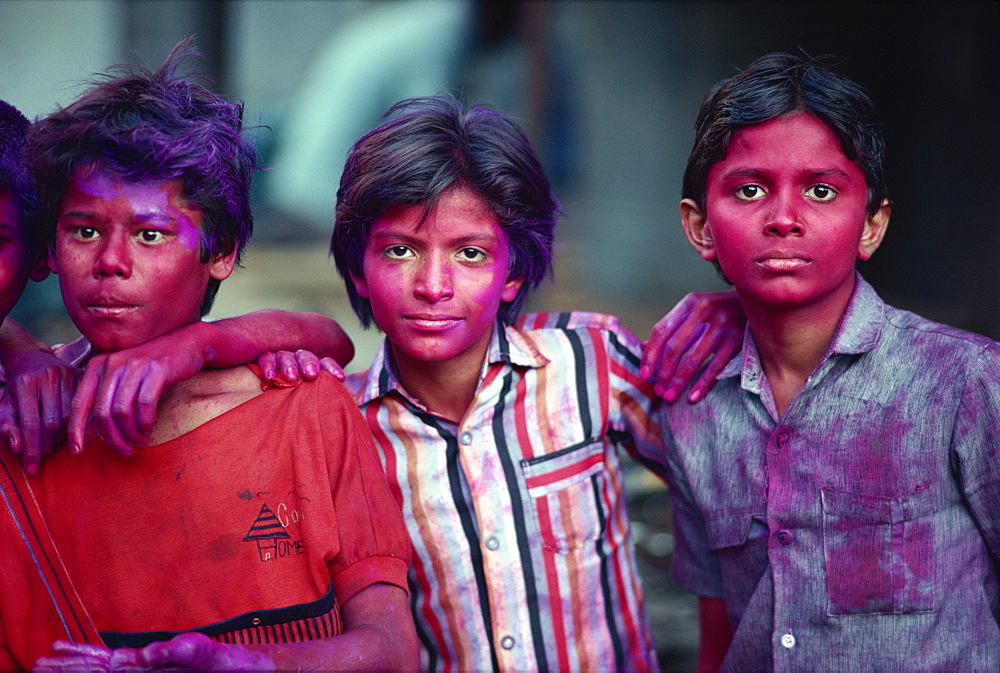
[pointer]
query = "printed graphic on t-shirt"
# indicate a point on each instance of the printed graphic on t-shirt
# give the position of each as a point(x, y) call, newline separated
point(273, 541)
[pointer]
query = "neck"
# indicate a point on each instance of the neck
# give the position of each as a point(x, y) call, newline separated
point(445, 388)
point(791, 341)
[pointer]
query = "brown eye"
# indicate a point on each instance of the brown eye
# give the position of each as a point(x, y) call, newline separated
point(397, 252)
point(472, 255)
point(821, 193)
point(749, 192)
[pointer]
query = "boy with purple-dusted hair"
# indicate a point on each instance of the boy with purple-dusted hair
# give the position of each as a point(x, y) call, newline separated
point(166, 136)
point(837, 494)
point(498, 431)
point(209, 549)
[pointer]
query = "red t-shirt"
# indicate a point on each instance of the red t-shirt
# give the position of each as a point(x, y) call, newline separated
point(254, 527)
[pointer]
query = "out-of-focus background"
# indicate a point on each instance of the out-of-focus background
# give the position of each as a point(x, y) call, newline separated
point(608, 91)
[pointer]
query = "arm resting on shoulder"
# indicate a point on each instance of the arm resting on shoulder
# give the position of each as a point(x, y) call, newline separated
point(121, 390)
point(715, 633)
point(699, 335)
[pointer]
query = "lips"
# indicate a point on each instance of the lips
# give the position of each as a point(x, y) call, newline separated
point(108, 307)
point(782, 262)
point(431, 322)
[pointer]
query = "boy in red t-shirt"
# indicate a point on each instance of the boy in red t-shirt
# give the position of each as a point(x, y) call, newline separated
point(206, 538)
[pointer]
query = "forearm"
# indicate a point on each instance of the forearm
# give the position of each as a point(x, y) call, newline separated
point(378, 636)
point(14, 339)
point(235, 341)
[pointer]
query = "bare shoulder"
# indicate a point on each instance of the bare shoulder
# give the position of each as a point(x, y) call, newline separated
point(209, 393)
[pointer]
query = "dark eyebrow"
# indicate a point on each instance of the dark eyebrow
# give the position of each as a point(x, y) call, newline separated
point(832, 172)
point(77, 214)
point(154, 218)
point(755, 173)
point(461, 240)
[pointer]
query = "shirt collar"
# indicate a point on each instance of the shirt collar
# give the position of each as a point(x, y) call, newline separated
point(859, 331)
point(507, 346)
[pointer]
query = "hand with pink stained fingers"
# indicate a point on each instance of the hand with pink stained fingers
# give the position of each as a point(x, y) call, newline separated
point(85, 657)
point(704, 326)
point(119, 392)
point(198, 652)
point(286, 367)
point(35, 404)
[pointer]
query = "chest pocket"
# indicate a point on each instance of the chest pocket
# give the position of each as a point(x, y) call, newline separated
point(565, 487)
point(879, 553)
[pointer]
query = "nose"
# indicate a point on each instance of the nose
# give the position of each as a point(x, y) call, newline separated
point(785, 220)
point(433, 282)
point(113, 258)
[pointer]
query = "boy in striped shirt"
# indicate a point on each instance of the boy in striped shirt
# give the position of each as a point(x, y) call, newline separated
point(498, 433)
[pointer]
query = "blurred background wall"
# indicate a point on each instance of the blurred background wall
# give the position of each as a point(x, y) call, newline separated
point(608, 91)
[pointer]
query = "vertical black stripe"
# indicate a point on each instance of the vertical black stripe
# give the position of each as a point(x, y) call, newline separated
point(503, 345)
point(467, 517)
point(424, 637)
point(610, 611)
point(524, 542)
point(580, 371)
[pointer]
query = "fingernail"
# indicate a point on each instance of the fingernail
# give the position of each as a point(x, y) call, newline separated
point(31, 468)
point(127, 454)
point(694, 396)
point(670, 395)
point(75, 448)
point(644, 372)
point(311, 370)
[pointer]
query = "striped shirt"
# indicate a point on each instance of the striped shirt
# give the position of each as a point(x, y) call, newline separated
point(522, 555)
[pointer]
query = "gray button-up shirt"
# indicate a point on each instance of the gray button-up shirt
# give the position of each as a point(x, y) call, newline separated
point(860, 530)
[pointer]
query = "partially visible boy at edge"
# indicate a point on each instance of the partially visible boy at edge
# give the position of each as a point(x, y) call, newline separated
point(498, 433)
point(836, 495)
point(282, 549)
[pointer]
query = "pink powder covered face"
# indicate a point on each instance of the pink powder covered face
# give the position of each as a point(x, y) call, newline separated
point(786, 211)
point(435, 288)
point(128, 259)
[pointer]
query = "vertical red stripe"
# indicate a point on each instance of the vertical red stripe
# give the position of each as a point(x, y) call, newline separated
point(552, 577)
point(625, 610)
point(603, 387)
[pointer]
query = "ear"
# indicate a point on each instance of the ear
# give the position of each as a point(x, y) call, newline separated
point(511, 288)
point(874, 231)
point(360, 285)
point(50, 258)
point(41, 266)
point(697, 230)
point(223, 265)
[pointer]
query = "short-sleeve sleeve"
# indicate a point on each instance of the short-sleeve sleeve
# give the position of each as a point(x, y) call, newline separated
point(638, 406)
point(976, 443)
point(374, 545)
point(695, 565)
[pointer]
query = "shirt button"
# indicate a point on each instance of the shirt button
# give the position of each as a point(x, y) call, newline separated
point(256, 621)
point(785, 537)
point(782, 438)
point(492, 543)
point(507, 643)
point(465, 438)
point(788, 641)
